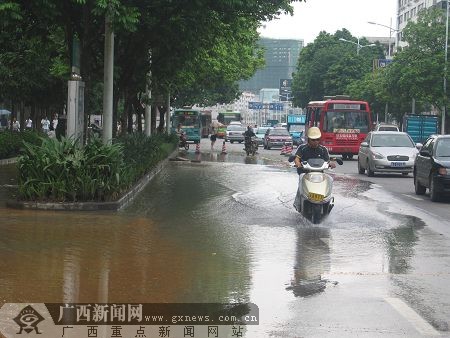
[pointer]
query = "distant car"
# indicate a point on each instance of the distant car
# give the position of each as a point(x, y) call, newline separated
point(386, 127)
point(297, 132)
point(234, 133)
point(432, 167)
point(277, 137)
point(260, 132)
point(388, 152)
point(281, 125)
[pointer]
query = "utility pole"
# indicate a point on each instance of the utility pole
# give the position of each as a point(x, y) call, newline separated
point(108, 78)
point(148, 96)
point(444, 112)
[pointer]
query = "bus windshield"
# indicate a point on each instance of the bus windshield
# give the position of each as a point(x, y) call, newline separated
point(227, 117)
point(345, 120)
point(186, 120)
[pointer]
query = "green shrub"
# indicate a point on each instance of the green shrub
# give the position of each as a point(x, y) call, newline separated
point(52, 170)
point(64, 171)
point(11, 143)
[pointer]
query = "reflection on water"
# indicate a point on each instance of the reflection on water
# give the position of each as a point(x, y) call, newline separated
point(312, 261)
point(186, 238)
point(210, 229)
point(8, 182)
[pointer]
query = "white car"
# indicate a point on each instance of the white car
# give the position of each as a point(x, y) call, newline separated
point(386, 127)
point(388, 152)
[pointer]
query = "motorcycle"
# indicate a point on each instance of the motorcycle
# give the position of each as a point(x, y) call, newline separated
point(314, 198)
point(183, 142)
point(250, 146)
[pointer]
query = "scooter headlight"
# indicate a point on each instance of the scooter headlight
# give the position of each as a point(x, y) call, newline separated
point(315, 178)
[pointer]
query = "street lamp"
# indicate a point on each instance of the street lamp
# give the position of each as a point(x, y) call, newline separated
point(390, 33)
point(358, 45)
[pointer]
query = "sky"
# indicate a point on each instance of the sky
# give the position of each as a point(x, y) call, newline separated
point(313, 16)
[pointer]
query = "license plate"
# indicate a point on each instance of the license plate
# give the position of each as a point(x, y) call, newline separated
point(315, 197)
point(398, 164)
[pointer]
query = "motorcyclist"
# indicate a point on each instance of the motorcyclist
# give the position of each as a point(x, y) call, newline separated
point(181, 134)
point(248, 136)
point(312, 149)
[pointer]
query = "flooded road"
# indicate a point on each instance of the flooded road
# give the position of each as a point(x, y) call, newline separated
point(223, 229)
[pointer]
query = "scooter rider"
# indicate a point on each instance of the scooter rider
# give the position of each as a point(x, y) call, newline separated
point(181, 135)
point(248, 136)
point(249, 132)
point(312, 149)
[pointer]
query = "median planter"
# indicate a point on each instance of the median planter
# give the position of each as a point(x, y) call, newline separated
point(61, 175)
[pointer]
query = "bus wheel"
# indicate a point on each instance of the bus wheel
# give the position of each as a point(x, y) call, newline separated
point(344, 157)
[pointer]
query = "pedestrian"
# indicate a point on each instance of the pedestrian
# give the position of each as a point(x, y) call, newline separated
point(213, 137)
point(55, 122)
point(29, 123)
point(15, 125)
point(45, 122)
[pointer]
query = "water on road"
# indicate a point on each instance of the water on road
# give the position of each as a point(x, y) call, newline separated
point(221, 228)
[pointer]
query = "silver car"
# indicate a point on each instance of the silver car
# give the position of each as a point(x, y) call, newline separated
point(235, 132)
point(388, 152)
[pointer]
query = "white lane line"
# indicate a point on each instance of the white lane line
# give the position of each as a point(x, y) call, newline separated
point(409, 314)
point(413, 197)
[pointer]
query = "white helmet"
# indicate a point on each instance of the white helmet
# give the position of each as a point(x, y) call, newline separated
point(314, 133)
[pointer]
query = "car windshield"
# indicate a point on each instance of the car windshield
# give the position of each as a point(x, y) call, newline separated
point(391, 140)
point(388, 128)
point(261, 130)
point(297, 127)
point(443, 148)
point(279, 132)
point(235, 128)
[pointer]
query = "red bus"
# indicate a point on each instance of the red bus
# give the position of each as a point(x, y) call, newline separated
point(344, 124)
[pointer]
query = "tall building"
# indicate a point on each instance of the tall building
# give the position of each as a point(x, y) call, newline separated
point(408, 10)
point(281, 56)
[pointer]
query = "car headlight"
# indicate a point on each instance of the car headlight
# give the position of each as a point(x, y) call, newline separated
point(377, 156)
point(443, 171)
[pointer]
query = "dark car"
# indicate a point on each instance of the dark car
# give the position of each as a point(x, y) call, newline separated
point(432, 167)
point(277, 137)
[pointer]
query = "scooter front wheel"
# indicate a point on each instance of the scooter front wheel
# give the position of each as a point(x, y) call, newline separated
point(316, 215)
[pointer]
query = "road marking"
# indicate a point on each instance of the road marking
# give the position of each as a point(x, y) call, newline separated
point(413, 197)
point(410, 315)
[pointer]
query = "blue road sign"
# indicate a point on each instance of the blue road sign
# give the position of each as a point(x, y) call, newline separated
point(276, 106)
point(255, 105)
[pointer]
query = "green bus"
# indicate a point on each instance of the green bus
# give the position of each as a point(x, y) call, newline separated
point(225, 118)
point(190, 123)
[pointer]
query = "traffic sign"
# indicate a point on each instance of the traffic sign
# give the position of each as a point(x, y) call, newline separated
point(276, 106)
point(255, 105)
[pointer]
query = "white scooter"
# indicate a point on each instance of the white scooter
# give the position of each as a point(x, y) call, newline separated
point(314, 198)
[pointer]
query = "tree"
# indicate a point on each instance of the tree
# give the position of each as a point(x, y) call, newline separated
point(200, 49)
point(418, 70)
point(328, 66)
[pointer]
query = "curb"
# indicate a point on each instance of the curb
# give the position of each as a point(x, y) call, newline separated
point(8, 161)
point(94, 206)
